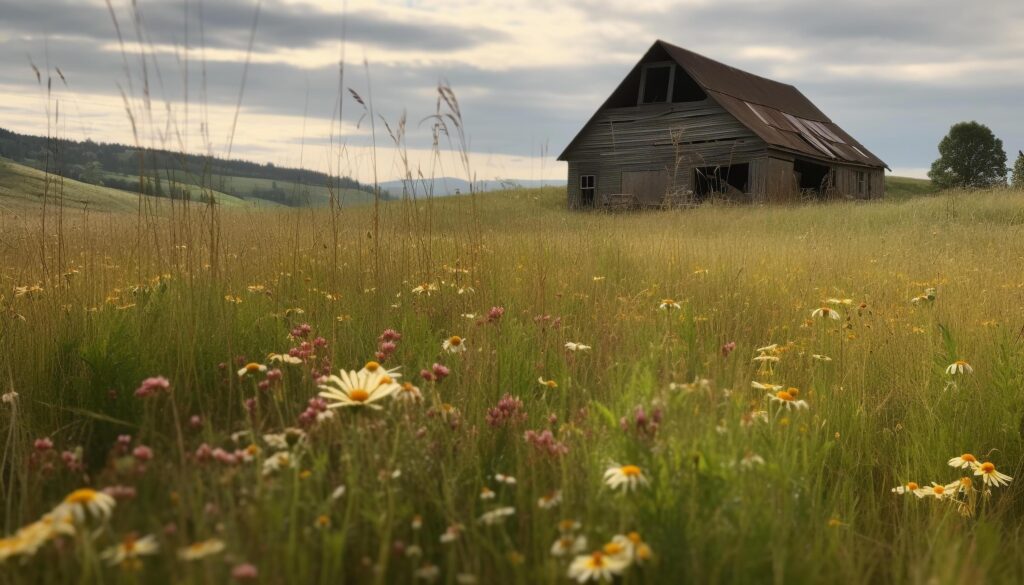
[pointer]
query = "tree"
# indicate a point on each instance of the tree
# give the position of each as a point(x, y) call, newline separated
point(1018, 171)
point(970, 156)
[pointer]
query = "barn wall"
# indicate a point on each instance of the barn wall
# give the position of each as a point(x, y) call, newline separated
point(772, 180)
point(859, 182)
point(669, 138)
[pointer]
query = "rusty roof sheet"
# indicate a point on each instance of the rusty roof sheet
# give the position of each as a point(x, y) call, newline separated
point(777, 112)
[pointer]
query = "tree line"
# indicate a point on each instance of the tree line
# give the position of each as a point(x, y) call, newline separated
point(972, 157)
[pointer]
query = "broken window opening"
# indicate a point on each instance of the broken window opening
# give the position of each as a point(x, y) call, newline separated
point(812, 178)
point(588, 190)
point(720, 180)
point(656, 85)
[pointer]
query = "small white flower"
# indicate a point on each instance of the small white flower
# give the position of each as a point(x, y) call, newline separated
point(669, 304)
point(505, 479)
point(908, 488)
point(569, 544)
point(990, 476)
point(626, 477)
point(201, 550)
point(283, 358)
point(596, 567)
point(787, 398)
point(338, 493)
point(496, 516)
point(821, 358)
point(278, 461)
point(550, 500)
point(130, 549)
point(959, 367)
point(252, 368)
point(10, 397)
point(825, 313)
point(573, 346)
point(454, 344)
point(964, 461)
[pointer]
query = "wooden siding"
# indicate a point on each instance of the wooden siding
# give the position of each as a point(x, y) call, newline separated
point(671, 139)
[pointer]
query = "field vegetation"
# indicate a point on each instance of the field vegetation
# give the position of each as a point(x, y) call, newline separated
point(723, 394)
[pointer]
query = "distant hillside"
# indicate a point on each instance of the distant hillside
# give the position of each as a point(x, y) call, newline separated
point(452, 186)
point(23, 190)
point(905, 187)
point(175, 175)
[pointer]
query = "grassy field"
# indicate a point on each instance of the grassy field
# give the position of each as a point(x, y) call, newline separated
point(734, 483)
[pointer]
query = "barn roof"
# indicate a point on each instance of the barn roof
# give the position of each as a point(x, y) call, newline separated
point(776, 112)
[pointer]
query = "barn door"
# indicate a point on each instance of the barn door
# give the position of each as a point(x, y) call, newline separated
point(649, 187)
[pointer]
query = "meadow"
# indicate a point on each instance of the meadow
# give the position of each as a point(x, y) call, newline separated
point(738, 394)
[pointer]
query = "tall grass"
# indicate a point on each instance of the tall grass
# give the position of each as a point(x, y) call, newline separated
point(818, 509)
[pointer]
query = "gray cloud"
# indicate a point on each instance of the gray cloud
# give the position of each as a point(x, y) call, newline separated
point(227, 24)
point(514, 109)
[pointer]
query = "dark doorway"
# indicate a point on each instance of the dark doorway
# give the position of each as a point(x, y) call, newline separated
point(812, 178)
point(720, 180)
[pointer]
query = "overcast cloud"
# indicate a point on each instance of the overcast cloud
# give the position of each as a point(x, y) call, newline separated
point(894, 74)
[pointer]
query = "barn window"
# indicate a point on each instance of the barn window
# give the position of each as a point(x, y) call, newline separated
point(862, 183)
point(588, 188)
point(656, 83)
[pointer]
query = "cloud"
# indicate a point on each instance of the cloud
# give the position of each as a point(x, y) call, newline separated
point(895, 74)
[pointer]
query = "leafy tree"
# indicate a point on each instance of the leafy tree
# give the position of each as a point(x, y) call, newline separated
point(1018, 171)
point(970, 156)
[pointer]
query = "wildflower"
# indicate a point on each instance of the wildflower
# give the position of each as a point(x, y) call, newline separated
point(938, 491)
point(668, 305)
point(771, 348)
point(245, 572)
point(964, 461)
point(568, 525)
point(550, 500)
point(251, 368)
point(283, 358)
point(990, 476)
point(728, 348)
point(767, 386)
point(428, 572)
point(486, 493)
point(9, 397)
point(454, 344)
point(496, 516)
point(426, 288)
point(821, 358)
point(88, 501)
point(573, 346)
point(495, 314)
point(508, 411)
point(787, 398)
point(545, 442)
point(959, 367)
point(626, 477)
point(834, 301)
point(764, 358)
point(338, 493)
point(408, 393)
point(907, 488)
point(129, 550)
point(322, 521)
point(751, 460)
point(547, 383)
point(202, 549)
point(276, 462)
point(505, 479)
point(358, 389)
point(825, 313)
point(151, 386)
point(451, 534)
point(641, 550)
point(568, 544)
point(595, 567)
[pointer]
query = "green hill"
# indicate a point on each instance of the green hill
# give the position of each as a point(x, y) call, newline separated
point(905, 187)
point(23, 189)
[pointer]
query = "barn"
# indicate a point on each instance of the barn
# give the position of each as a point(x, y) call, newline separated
point(682, 128)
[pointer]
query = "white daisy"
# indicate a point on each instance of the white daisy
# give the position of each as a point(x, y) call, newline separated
point(87, 501)
point(787, 398)
point(130, 549)
point(668, 305)
point(360, 388)
point(454, 344)
point(825, 313)
point(252, 368)
point(990, 476)
point(595, 567)
point(574, 346)
point(626, 477)
point(569, 544)
point(959, 367)
point(964, 461)
point(202, 549)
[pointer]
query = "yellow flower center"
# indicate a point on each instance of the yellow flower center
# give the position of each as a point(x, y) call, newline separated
point(939, 490)
point(566, 525)
point(794, 392)
point(358, 395)
point(372, 366)
point(455, 340)
point(912, 485)
point(612, 548)
point(784, 395)
point(596, 560)
point(668, 302)
point(634, 537)
point(83, 496)
point(968, 458)
point(407, 387)
point(551, 384)
point(386, 380)
point(960, 363)
point(252, 367)
point(987, 467)
point(630, 470)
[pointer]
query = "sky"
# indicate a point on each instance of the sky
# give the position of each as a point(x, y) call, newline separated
point(527, 74)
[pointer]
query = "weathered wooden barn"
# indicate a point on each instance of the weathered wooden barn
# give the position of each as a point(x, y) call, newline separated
point(682, 128)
